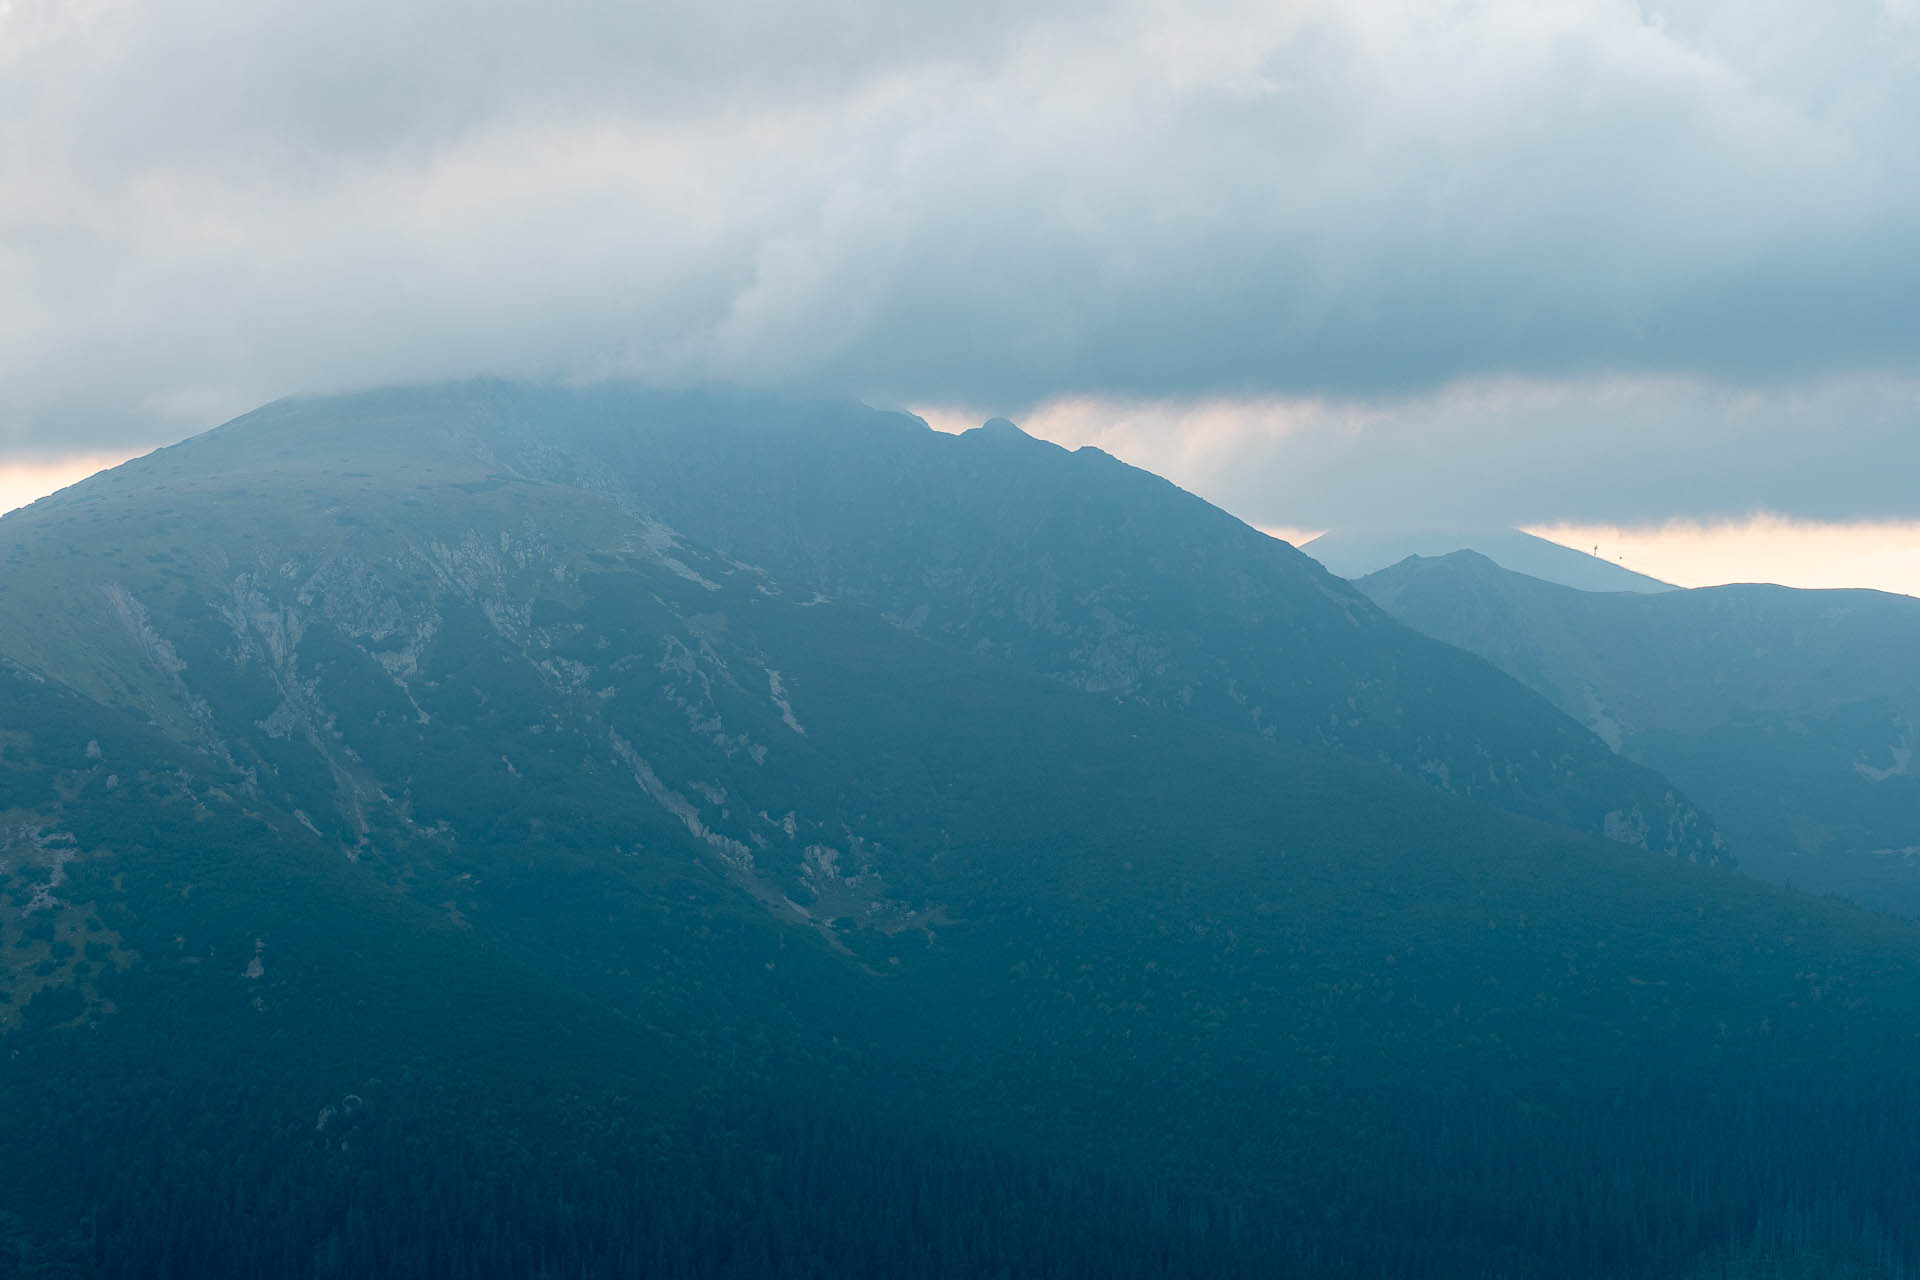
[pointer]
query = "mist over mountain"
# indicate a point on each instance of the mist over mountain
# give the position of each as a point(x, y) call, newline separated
point(1789, 713)
point(491, 829)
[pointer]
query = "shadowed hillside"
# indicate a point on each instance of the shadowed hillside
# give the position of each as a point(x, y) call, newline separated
point(1789, 713)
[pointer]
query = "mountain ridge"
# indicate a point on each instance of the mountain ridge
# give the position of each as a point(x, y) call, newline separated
point(934, 530)
point(1353, 554)
point(1793, 710)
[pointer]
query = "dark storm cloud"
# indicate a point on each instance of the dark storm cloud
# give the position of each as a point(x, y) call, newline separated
point(205, 204)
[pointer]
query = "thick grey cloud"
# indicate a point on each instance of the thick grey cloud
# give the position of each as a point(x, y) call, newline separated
point(205, 203)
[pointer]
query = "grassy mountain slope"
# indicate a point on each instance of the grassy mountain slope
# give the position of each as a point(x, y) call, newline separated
point(1790, 714)
point(1072, 565)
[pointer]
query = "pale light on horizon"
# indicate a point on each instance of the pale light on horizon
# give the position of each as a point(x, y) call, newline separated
point(1286, 533)
point(1881, 555)
point(22, 483)
point(1197, 445)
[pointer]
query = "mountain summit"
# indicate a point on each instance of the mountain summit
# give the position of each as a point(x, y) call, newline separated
point(1071, 565)
point(1002, 427)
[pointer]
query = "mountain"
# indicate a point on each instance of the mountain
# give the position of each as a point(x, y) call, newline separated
point(1789, 713)
point(421, 854)
point(1072, 565)
point(1355, 554)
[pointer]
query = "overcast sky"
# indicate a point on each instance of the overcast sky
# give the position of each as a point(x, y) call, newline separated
point(1515, 260)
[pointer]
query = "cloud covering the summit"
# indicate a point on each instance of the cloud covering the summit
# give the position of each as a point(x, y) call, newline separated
point(1682, 236)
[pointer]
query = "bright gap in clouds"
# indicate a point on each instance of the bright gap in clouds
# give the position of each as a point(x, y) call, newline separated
point(1256, 459)
point(1883, 555)
point(1298, 537)
point(22, 483)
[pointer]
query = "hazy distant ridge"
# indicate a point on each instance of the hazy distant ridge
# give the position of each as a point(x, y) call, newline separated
point(1790, 713)
point(1357, 553)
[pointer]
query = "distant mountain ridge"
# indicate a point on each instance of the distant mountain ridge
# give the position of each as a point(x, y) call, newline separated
point(1791, 713)
point(1355, 554)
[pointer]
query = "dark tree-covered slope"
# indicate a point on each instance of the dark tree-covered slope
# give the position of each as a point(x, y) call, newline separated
point(1789, 713)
